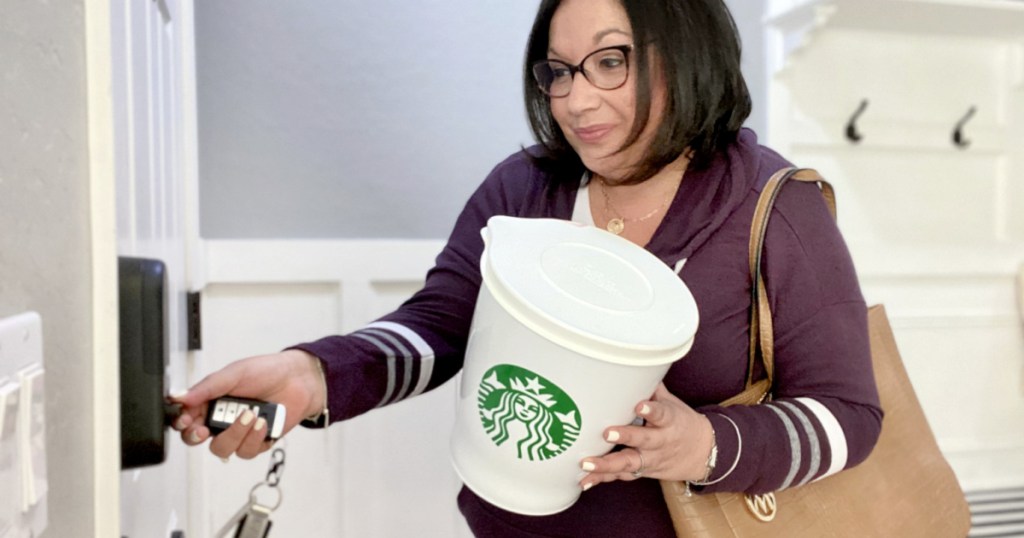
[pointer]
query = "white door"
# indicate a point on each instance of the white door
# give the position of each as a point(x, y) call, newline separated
point(153, 97)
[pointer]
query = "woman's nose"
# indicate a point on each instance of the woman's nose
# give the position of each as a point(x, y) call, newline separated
point(582, 96)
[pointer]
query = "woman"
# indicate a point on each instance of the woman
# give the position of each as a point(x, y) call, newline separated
point(638, 105)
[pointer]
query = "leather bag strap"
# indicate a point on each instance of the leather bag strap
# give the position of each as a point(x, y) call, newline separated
point(762, 339)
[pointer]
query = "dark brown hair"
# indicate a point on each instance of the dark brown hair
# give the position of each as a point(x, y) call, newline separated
point(707, 100)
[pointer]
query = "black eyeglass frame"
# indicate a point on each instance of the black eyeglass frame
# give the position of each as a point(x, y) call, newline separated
point(626, 50)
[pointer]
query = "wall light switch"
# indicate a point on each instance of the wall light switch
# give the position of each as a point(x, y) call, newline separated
point(10, 481)
point(21, 343)
point(21, 363)
point(32, 434)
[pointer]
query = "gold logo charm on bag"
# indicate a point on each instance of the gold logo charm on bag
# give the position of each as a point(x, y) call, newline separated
point(763, 506)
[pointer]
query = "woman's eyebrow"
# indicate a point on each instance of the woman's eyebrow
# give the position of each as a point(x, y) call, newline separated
point(597, 39)
point(604, 33)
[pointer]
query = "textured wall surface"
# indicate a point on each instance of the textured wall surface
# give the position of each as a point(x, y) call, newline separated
point(44, 229)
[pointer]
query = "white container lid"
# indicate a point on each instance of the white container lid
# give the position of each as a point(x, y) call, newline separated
point(588, 290)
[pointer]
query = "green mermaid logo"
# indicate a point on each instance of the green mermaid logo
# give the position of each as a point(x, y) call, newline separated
point(543, 415)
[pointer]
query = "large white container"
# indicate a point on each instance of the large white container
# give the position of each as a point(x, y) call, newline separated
point(573, 327)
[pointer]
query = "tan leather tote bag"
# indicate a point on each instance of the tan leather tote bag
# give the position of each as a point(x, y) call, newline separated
point(904, 489)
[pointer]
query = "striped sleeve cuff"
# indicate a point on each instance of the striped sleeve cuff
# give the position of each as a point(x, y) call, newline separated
point(817, 443)
point(410, 360)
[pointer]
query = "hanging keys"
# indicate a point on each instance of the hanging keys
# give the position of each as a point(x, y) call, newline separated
point(232, 524)
point(253, 519)
point(256, 522)
point(250, 521)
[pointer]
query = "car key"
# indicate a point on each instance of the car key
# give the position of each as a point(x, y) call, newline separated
point(223, 411)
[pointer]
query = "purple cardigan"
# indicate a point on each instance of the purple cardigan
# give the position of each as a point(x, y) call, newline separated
point(825, 416)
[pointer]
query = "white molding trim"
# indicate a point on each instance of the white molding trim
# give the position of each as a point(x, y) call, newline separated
point(877, 260)
point(303, 260)
point(987, 467)
point(792, 24)
point(954, 321)
point(188, 140)
point(183, 13)
point(790, 28)
point(105, 397)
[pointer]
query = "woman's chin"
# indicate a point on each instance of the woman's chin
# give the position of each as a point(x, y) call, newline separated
point(610, 175)
point(605, 166)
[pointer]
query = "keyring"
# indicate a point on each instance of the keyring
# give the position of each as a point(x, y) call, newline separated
point(254, 500)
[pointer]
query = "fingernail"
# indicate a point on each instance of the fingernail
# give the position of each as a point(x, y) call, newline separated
point(612, 436)
point(587, 466)
point(260, 424)
point(178, 424)
point(247, 417)
point(193, 437)
point(177, 394)
point(644, 409)
point(224, 460)
point(587, 486)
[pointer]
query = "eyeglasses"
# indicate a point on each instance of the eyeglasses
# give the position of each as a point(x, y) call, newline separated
point(606, 68)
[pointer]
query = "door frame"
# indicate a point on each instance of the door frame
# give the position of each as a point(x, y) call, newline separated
point(106, 450)
point(195, 247)
point(105, 385)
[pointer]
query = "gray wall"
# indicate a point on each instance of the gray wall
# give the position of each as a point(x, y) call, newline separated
point(749, 15)
point(44, 231)
point(364, 119)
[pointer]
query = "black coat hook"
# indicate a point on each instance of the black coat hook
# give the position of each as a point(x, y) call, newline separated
point(852, 134)
point(958, 133)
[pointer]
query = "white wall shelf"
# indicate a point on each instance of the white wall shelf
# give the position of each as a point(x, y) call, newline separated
point(976, 19)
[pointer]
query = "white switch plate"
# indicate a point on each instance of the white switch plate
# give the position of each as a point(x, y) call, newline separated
point(21, 363)
point(32, 436)
point(21, 343)
point(10, 479)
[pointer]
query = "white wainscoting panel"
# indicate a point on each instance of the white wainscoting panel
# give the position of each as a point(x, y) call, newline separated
point(386, 473)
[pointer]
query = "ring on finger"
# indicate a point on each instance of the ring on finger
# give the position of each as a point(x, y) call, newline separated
point(639, 472)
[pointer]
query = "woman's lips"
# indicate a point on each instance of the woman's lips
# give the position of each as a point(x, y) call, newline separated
point(592, 133)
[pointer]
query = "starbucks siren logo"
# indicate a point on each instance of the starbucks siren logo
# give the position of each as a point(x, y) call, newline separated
point(540, 413)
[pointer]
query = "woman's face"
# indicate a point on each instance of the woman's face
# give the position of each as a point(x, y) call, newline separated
point(597, 122)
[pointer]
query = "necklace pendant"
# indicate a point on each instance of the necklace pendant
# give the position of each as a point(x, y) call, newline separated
point(616, 226)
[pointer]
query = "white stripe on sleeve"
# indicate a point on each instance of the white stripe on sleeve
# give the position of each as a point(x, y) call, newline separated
point(392, 367)
point(834, 433)
point(422, 347)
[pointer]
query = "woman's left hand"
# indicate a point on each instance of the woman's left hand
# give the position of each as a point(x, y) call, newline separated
point(674, 444)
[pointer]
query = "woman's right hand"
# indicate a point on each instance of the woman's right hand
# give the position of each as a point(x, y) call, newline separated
point(291, 378)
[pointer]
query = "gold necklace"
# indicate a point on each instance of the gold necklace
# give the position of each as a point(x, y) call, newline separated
point(617, 224)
